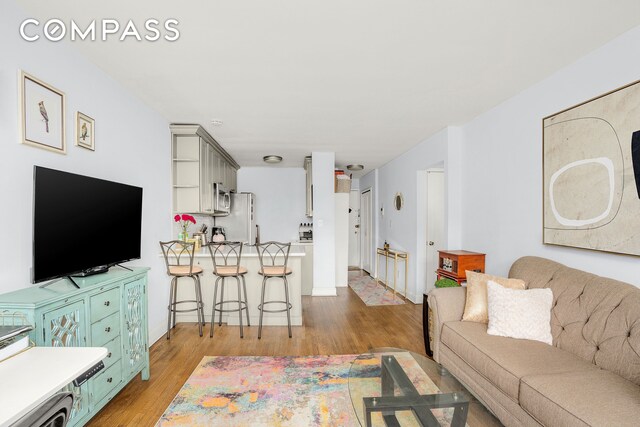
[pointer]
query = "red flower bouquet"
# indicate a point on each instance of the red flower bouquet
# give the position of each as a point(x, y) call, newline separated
point(185, 221)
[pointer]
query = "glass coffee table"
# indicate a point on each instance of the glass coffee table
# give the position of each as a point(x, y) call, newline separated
point(394, 387)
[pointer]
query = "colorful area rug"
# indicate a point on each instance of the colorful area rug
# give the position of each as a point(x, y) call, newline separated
point(285, 391)
point(371, 292)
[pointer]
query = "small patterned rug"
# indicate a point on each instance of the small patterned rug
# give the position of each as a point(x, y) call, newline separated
point(286, 391)
point(371, 292)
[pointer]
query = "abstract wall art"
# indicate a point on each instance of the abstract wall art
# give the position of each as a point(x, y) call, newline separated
point(591, 174)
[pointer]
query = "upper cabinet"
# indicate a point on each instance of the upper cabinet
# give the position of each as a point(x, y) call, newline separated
point(197, 162)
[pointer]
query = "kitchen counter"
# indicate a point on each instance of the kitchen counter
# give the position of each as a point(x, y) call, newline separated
point(297, 250)
point(274, 289)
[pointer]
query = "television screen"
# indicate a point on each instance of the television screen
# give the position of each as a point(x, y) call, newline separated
point(82, 223)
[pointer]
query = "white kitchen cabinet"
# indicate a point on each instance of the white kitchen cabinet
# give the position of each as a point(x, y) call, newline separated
point(197, 162)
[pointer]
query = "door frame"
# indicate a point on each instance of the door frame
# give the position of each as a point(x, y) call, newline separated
point(430, 173)
point(371, 230)
point(421, 225)
point(355, 193)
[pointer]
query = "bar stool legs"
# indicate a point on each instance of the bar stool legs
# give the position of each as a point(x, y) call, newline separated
point(172, 290)
point(242, 304)
point(173, 303)
point(264, 281)
point(286, 294)
point(287, 308)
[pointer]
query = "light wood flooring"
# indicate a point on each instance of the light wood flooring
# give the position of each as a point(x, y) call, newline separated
point(332, 325)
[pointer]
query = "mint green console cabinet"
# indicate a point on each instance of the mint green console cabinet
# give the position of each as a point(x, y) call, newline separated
point(109, 310)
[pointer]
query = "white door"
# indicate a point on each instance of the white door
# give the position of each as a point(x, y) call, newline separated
point(435, 222)
point(366, 231)
point(354, 228)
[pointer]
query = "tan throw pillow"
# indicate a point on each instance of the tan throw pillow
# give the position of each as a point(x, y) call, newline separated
point(475, 308)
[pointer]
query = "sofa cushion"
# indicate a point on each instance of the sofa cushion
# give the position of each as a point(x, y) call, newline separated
point(476, 306)
point(504, 361)
point(593, 317)
point(593, 398)
point(520, 314)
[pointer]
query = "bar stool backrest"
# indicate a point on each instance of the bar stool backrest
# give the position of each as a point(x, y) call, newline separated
point(225, 254)
point(178, 253)
point(273, 254)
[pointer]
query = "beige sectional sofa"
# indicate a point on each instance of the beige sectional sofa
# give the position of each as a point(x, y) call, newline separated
point(589, 377)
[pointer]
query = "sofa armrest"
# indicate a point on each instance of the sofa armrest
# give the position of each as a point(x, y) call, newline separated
point(445, 304)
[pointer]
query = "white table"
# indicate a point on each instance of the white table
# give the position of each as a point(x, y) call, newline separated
point(31, 377)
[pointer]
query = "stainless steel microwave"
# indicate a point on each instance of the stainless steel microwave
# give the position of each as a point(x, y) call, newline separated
point(221, 200)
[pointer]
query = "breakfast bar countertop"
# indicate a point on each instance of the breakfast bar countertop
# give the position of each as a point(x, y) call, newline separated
point(297, 250)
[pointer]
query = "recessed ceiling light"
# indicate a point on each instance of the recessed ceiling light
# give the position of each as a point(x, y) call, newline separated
point(272, 159)
point(355, 167)
point(216, 122)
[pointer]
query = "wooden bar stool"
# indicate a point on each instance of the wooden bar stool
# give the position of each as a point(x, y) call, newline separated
point(226, 258)
point(173, 251)
point(273, 264)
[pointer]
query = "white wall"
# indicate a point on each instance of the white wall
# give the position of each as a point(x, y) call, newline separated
point(132, 146)
point(502, 164)
point(324, 231)
point(406, 229)
point(280, 201)
point(342, 238)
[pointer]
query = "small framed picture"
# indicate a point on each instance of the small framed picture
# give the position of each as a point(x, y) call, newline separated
point(42, 114)
point(85, 131)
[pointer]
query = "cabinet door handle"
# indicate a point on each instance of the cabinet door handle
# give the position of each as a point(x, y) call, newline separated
point(110, 379)
point(107, 303)
point(107, 329)
point(109, 355)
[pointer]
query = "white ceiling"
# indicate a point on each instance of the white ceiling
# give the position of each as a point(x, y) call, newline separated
point(368, 79)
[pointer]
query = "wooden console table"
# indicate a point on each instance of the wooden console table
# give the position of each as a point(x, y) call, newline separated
point(395, 255)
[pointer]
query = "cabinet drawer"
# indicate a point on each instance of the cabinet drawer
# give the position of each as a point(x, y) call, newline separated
point(107, 381)
point(105, 330)
point(104, 304)
point(114, 351)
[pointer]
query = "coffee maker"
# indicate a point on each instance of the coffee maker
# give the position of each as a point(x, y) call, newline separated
point(218, 234)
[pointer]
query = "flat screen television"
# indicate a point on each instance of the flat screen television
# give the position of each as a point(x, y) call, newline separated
point(82, 225)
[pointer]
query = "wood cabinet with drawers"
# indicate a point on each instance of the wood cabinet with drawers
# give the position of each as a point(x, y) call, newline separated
point(109, 310)
point(454, 264)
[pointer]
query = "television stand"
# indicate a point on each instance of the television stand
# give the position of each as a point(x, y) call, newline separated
point(126, 268)
point(92, 271)
point(73, 282)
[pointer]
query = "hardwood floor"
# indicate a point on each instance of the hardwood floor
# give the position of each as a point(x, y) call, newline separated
point(342, 325)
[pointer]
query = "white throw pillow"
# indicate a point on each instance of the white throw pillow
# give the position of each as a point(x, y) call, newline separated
point(524, 314)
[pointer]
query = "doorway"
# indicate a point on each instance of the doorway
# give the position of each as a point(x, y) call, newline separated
point(354, 228)
point(435, 222)
point(366, 230)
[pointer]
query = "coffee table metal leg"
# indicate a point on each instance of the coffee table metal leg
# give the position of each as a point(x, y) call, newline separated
point(460, 415)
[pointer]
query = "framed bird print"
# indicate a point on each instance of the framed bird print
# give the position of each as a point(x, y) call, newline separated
point(42, 112)
point(85, 134)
